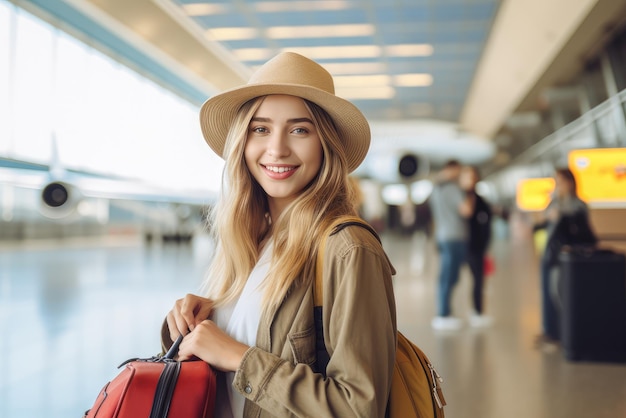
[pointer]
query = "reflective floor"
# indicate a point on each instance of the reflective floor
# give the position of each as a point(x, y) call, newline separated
point(70, 312)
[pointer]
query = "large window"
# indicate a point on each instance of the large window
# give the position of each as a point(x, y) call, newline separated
point(102, 116)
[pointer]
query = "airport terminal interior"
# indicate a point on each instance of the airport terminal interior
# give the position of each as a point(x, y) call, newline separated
point(105, 180)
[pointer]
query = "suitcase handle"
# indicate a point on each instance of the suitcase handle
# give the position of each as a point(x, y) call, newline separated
point(171, 353)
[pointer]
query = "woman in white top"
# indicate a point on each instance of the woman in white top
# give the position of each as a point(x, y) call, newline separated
point(289, 144)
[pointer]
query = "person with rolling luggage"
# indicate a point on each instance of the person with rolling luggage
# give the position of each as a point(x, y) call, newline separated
point(289, 144)
point(567, 224)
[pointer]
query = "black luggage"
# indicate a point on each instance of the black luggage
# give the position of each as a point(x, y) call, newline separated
point(593, 302)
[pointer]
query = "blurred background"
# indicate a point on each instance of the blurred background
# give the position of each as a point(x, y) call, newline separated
point(105, 178)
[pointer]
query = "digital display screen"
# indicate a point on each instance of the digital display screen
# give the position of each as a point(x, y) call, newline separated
point(534, 194)
point(600, 174)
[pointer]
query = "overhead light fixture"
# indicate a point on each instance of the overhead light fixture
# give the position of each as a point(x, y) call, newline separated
point(301, 5)
point(339, 51)
point(204, 9)
point(369, 93)
point(409, 50)
point(338, 68)
point(253, 54)
point(320, 31)
point(413, 80)
point(232, 34)
point(363, 81)
point(343, 51)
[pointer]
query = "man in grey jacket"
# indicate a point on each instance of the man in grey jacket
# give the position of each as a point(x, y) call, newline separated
point(450, 208)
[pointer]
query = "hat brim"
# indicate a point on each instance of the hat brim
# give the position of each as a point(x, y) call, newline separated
point(218, 113)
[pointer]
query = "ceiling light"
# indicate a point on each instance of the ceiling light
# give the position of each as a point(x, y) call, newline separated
point(253, 54)
point(301, 6)
point(355, 67)
point(363, 81)
point(320, 31)
point(203, 9)
point(376, 92)
point(409, 50)
point(232, 34)
point(344, 51)
point(413, 80)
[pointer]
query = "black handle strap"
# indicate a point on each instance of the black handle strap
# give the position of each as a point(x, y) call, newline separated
point(171, 353)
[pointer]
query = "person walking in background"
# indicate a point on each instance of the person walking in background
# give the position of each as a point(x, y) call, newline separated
point(566, 223)
point(478, 242)
point(450, 208)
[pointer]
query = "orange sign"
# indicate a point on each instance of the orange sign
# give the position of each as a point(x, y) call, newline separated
point(534, 194)
point(600, 174)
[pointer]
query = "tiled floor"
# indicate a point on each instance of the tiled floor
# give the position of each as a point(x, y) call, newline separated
point(70, 312)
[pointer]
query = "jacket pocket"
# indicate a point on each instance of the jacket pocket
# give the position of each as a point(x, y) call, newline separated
point(303, 346)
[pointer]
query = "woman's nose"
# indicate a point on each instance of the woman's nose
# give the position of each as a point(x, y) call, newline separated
point(277, 146)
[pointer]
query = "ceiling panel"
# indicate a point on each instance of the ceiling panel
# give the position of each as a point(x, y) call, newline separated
point(454, 30)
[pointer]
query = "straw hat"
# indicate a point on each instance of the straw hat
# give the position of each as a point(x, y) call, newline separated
point(291, 74)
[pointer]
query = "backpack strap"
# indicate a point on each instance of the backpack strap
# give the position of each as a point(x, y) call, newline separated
point(336, 226)
point(321, 353)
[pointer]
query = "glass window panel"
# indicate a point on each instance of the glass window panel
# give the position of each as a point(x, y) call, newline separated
point(6, 12)
point(101, 140)
point(105, 117)
point(70, 86)
point(33, 105)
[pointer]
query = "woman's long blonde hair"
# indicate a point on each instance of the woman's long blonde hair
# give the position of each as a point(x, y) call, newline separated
point(240, 221)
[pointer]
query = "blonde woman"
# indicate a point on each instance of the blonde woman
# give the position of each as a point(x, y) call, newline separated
point(289, 144)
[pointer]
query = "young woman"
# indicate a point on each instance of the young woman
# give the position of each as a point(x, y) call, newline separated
point(289, 144)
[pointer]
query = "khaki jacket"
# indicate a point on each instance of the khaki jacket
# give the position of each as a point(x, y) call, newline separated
point(359, 320)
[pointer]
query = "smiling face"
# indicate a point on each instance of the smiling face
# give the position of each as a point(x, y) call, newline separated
point(283, 150)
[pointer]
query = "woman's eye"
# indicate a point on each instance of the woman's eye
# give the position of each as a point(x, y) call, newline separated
point(259, 129)
point(300, 131)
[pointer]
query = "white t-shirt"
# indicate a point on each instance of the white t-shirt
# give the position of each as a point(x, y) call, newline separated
point(240, 320)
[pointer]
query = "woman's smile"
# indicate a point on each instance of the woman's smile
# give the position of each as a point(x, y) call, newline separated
point(279, 171)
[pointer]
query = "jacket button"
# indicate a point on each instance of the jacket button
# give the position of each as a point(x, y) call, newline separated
point(248, 389)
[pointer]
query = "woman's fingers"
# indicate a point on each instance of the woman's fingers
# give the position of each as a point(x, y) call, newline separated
point(188, 312)
point(172, 326)
point(195, 309)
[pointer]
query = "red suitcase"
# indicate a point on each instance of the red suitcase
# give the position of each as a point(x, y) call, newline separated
point(158, 387)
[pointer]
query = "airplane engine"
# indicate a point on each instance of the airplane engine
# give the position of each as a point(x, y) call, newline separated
point(397, 167)
point(59, 200)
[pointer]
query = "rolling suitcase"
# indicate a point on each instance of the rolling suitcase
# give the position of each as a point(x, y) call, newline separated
point(593, 302)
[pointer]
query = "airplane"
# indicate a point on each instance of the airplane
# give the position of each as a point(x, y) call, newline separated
point(68, 196)
point(405, 151)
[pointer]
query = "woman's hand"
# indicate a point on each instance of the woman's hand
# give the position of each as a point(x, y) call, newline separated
point(187, 313)
point(209, 343)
